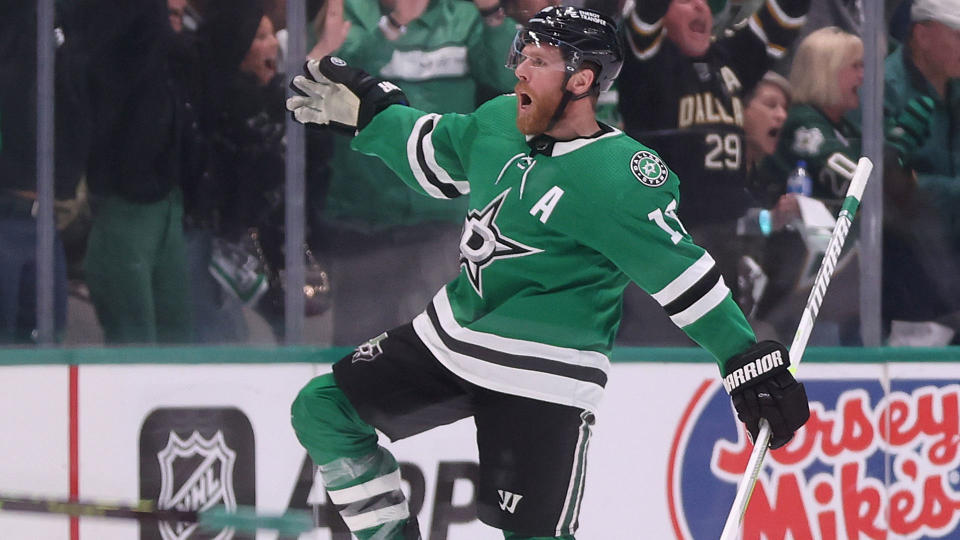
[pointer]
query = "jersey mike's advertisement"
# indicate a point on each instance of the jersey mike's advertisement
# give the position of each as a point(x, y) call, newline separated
point(868, 463)
point(879, 458)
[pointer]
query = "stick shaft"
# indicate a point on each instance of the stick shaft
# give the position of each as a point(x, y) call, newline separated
point(243, 519)
point(144, 511)
point(745, 489)
point(731, 528)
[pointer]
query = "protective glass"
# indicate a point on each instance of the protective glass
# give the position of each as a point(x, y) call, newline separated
point(571, 55)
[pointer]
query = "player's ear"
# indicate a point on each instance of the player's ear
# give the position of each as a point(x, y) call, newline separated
point(581, 81)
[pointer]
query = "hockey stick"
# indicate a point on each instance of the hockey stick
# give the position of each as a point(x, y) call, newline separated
point(244, 518)
point(847, 212)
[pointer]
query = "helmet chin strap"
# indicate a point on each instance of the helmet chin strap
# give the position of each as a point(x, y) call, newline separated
point(568, 96)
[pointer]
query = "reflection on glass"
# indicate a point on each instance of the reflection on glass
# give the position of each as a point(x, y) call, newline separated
point(18, 185)
point(170, 154)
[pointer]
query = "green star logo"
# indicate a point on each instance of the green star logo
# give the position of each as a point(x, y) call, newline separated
point(649, 169)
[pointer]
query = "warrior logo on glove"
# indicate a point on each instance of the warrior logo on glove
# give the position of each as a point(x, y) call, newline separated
point(759, 367)
point(761, 386)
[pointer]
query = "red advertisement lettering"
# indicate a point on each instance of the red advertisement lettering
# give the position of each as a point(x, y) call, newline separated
point(918, 433)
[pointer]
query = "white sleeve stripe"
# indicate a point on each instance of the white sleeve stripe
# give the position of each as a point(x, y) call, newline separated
point(418, 172)
point(758, 30)
point(429, 153)
point(647, 53)
point(783, 18)
point(700, 308)
point(644, 27)
point(684, 281)
point(377, 517)
point(366, 490)
point(775, 52)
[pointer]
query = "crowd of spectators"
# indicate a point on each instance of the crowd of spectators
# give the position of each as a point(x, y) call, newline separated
point(390, 249)
point(170, 155)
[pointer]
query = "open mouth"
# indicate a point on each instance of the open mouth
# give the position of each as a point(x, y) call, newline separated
point(271, 64)
point(699, 26)
point(774, 132)
point(524, 100)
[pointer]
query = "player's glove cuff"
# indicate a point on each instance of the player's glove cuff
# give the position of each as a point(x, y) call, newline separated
point(761, 386)
point(333, 94)
point(375, 94)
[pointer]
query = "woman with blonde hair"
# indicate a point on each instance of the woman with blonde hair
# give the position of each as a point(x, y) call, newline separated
point(825, 78)
point(826, 73)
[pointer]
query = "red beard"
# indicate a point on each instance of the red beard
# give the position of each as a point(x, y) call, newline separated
point(534, 119)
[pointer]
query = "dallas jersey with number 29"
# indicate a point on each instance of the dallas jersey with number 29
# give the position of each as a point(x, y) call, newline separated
point(551, 238)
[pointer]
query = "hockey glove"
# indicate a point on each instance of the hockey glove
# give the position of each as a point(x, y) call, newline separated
point(908, 131)
point(337, 95)
point(761, 387)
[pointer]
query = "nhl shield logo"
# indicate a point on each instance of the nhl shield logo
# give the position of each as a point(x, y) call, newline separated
point(195, 474)
point(649, 169)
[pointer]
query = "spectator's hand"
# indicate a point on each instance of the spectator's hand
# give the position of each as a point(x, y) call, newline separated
point(406, 11)
point(331, 29)
point(337, 95)
point(485, 5)
point(908, 131)
point(785, 211)
point(491, 11)
point(761, 386)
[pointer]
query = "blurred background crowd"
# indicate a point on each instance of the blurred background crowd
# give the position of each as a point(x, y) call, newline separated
point(169, 162)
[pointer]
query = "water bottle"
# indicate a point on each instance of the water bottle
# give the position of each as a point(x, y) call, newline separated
point(799, 181)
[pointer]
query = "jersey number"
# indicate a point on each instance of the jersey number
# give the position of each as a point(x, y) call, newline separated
point(722, 152)
point(671, 212)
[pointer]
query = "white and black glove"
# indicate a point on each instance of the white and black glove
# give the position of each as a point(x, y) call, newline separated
point(336, 95)
point(761, 386)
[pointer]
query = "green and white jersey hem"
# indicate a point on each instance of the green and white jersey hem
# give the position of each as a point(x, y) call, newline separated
point(513, 366)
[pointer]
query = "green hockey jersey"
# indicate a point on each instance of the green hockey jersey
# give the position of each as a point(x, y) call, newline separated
point(809, 135)
point(553, 234)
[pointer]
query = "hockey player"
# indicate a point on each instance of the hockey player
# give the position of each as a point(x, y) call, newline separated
point(564, 211)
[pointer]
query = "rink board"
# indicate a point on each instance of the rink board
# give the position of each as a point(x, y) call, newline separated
point(881, 454)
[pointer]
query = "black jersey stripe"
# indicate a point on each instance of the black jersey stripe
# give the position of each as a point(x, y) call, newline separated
point(529, 363)
point(696, 291)
point(448, 191)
